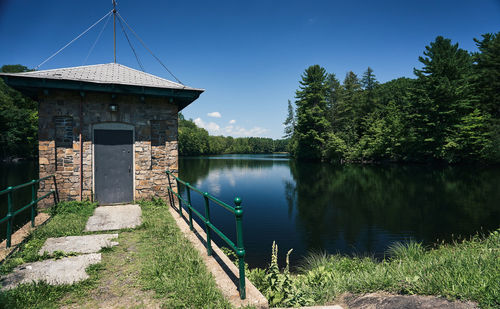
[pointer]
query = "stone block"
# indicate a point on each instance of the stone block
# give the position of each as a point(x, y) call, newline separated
point(107, 218)
point(54, 272)
point(78, 244)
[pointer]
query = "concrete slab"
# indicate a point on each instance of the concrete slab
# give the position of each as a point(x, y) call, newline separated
point(79, 244)
point(64, 271)
point(109, 218)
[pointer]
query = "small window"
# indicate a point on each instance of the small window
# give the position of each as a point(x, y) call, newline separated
point(158, 142)
point(64, 131)
point(158, 132)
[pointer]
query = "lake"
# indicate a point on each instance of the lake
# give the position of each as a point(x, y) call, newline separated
point(349, 209)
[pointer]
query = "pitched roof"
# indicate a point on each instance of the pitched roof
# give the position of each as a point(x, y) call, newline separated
point(109, 78)
point(109, 73)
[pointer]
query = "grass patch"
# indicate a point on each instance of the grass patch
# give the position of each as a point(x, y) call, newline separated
point(153, 264)
point(171, 266)
point(467, 270)
point(119, 279)
point(70, 219)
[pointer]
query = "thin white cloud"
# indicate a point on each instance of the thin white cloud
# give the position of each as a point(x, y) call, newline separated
point(238, 131)
point(214, 115)
point(211, 127)
point(230, 130)
point(232, 121)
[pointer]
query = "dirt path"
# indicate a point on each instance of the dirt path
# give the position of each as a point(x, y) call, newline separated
point(118, 284)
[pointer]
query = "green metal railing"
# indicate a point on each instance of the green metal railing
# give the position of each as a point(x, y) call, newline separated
point(209, 227)
point(32, 205)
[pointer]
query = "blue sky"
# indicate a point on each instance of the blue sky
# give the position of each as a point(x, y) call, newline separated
point(248, 55)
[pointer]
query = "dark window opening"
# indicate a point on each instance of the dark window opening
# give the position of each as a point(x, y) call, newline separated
point(64, 131)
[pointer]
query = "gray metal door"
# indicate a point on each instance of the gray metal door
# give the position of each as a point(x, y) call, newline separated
point(113, 159)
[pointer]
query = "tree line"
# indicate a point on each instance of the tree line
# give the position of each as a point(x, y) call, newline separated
point(19, 130)
point(196, 141)
point(450, 112)
point(18, 120)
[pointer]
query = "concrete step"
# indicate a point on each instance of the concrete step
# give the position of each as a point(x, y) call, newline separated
point(110, 218)
point(78, 244)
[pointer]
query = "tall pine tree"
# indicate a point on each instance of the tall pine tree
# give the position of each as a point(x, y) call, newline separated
point(312, 125)
point(487, 87)
point(348, 122)
point(289, 122)
point(443, 96)
point(369, 82)
point(488, 73)
point(333, 95)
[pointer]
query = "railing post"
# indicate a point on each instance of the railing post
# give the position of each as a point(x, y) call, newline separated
point(33, 199)
point(9, 216)
point(56, 192)
point(170, 194)
point(179, 197)
point(207, 228)
point(238, 212)
point(189, 206)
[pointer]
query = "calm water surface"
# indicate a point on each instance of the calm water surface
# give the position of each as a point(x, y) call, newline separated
point(351, 209)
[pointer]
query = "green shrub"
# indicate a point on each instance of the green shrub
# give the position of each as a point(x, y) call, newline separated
point(279, 287)
point(466, 270)
point(412, 250)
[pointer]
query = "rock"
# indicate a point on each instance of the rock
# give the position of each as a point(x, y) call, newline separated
point(384, 300)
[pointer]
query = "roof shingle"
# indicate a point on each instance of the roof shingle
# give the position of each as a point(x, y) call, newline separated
point(110, 73)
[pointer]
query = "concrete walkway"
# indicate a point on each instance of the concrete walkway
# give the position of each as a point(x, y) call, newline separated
point(69, 270)
point(110, 218)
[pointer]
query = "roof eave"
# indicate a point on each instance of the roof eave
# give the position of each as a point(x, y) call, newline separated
point(183, 97)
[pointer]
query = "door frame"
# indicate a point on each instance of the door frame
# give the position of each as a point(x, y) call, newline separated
point(113, 126)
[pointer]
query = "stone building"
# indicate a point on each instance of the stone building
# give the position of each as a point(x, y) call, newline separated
point(108, 132)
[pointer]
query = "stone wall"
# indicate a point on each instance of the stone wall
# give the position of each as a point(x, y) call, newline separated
point(155, 146)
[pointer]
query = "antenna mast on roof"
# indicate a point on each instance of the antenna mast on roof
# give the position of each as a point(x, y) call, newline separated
point(114, 29)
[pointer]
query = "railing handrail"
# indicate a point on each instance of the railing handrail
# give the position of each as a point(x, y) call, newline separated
point(238, 248)
point(24, 184)
point(209, 196)
point(32, 205)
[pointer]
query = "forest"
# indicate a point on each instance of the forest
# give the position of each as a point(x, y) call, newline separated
point(449, 113)
point(18, 120)
point(196, 141)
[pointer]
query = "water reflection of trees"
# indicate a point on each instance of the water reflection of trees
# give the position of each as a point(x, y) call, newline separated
point(364, 208)
point(351, 204)
point(193, 169)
